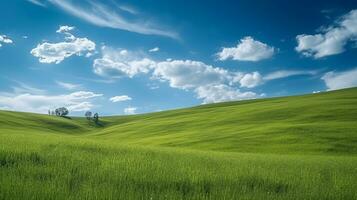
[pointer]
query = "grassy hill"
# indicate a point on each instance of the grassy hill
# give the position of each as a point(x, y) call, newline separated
point(300, 147)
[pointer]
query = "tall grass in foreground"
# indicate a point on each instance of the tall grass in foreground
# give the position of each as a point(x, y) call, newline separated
point(66, 167)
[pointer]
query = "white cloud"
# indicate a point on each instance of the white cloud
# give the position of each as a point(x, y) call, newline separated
point(84, 95)
point(37, 2)
point(76, 101)
point(254, 79)
point(340, 80)
point(65, 29)
point(129, 9)
point(188, 74)
point(5, 40)
point(57, 52)
point(154, 49)
point(211, 84)
point(119, 63)
point(25, 88)
point(247, 50)
point(251, 80)
point(130, 110)
point(182, 74)
point(120, 98)
point(221, 93)
point(286, 73)
point(68, 86)
point(82, 106)
point(331, 40)
point(103, 16)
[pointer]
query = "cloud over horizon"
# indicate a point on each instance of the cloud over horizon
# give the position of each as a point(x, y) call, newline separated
point(41, 103)
point(339, 80)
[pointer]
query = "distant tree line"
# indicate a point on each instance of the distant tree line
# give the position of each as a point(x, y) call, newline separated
point(60, 112)
point(63, 112)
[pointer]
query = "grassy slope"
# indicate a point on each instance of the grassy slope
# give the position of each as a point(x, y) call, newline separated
point(45, 157)
point(320, 123)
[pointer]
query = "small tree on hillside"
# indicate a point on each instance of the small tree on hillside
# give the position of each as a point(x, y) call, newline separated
point(96, 118)
point(88, 115)
point(61, 112)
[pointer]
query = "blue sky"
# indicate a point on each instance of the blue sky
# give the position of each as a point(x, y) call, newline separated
point(124, 57)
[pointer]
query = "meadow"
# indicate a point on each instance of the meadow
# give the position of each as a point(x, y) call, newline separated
point(299, 147)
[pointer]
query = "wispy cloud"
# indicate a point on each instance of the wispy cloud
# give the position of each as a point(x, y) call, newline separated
point(130, 110)
point(286, 73)
point(129, 9)
point(68, 86)
point(100, 15)
point(120, 98)
point(154, 49)
point(25, 88)
point(37, 2)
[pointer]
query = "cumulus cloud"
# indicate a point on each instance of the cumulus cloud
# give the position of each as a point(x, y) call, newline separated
point(5, 40)
point(188, 74)
point(57, 52)
point(331, 40)
point(154, 49)
point(251, 80)
point(221, 93)
point(101, 15)
point(247, 49)
point(340, 80)
point(40, 103)
point(65, 29)
point(118, 63)
point(130, 110)
point(68, 86)
point(211, 84)
point(120, 98)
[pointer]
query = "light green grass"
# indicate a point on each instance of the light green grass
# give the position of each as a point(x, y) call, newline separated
point(301, 147)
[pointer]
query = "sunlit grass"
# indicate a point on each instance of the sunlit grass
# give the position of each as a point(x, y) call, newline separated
point(286, 148)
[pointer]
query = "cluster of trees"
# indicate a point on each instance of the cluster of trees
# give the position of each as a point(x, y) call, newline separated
point(95, 117)
point(61, 112)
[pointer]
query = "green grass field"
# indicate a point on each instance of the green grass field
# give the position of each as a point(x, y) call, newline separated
point(301, 147)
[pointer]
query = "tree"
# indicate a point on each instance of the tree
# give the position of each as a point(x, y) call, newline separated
point(96, 117)
point(88, 115)
point(61, 112)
